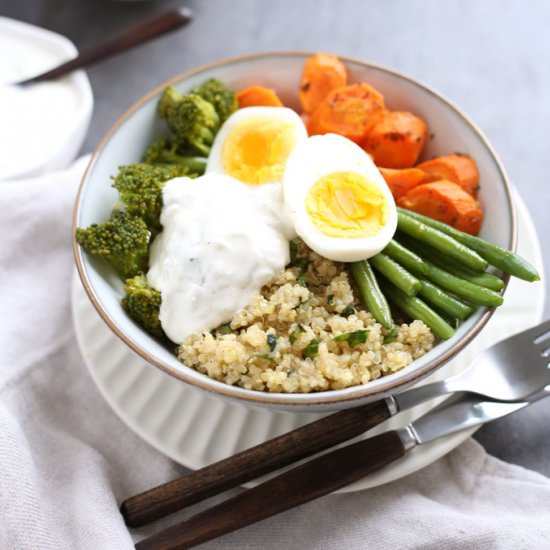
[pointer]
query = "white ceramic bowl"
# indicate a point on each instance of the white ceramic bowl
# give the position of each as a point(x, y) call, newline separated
point(53, 49)
point(134, 130)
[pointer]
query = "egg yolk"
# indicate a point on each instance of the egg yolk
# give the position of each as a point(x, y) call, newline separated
point(256, 150)
point(347, 205)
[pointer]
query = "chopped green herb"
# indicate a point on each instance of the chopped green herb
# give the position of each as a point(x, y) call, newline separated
point(358, 337)
point(293, 249)
point(301, 304)
point(312, 348)
point(294, 334)
point(301, 280)
point(224, 329)
point(353, 338)
point(261, 356)
point(330, 299)
point(302, 263)
point(295, 260)
point(347, 311)
point(391, 336)
point(271, 341)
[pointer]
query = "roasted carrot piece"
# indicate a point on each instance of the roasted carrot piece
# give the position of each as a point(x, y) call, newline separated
point(312, 123)
point(401, 182)
point(322, 73)
point(445, 201)
point(459, 168)
point(349, 111)
point(256, 96)
point(396, 140)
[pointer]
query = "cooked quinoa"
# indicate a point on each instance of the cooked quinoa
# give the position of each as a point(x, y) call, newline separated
point(284, 341)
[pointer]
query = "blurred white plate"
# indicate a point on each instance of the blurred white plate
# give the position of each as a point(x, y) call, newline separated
point(47, 49)
point(196, 429)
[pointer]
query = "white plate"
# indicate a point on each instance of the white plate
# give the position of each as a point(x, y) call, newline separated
point(49, 49)
point(195, 428)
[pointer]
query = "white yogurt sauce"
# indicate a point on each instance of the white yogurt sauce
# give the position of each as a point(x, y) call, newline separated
point(33, 120)
point(221, 242)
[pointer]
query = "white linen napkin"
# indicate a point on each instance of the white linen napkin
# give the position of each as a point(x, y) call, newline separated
point(66, 460)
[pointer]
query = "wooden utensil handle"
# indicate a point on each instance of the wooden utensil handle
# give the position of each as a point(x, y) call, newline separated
point(142, 32)
point(252, 463)
point(309, 481)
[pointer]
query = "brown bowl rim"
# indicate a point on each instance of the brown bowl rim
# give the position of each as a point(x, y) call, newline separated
point(314, 399)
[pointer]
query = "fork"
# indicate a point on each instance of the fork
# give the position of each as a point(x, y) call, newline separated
point(511, 370)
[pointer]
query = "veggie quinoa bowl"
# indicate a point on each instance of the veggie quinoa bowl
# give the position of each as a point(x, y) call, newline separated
point(290, 309)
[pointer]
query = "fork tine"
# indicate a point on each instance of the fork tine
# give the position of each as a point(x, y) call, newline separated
point(538, 334)
point(541, 334)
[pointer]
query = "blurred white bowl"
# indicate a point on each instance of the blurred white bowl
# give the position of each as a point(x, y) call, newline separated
point(125, 142)
point(52, 49)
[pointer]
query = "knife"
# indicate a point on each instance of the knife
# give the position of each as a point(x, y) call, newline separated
point(332, 471)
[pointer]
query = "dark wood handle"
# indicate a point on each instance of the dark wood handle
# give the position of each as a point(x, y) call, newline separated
point(140, 33)
point(309, 481)
point(252, 463)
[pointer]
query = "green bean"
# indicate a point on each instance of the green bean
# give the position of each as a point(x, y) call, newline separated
point(415, 308)
point(407, 258)
point(486, 279)
point(481, 278)
point(466, 290)
point(370, 293)
point(395, 273)
point(461, 288)
point(441, 241)
point(442, 301)
point(409, 255)
point(504, 259)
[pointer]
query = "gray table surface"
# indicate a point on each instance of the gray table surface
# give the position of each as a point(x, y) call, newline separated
point(490, 57)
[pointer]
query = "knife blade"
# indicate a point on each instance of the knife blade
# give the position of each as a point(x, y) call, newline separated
point(459, 413)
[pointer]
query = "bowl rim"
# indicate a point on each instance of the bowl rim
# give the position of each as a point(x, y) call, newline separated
point(352, 394)
point(77, 80)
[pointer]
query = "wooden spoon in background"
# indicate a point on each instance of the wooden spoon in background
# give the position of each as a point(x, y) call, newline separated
point(142, 32)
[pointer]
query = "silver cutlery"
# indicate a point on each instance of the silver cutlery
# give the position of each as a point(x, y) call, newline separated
point(511, 370)
point(331, 471)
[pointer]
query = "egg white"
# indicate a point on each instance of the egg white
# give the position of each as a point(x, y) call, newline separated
point(215, 159)
point(319, 156)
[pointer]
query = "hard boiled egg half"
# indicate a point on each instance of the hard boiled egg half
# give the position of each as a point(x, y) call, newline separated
point(337, 199)
point(254, 144)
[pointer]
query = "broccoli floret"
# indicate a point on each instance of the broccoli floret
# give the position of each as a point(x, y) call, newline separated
point(217, 93)
point(192, 119)
point(123, 240)
point(160, 150)
point(166, 151)
point(140, 189)
point(142, 304)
